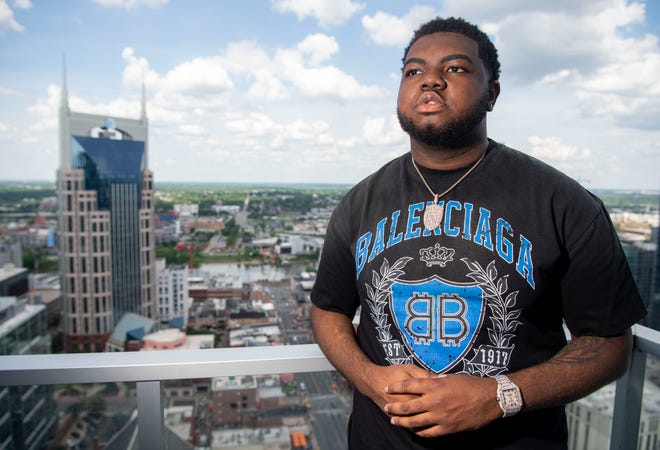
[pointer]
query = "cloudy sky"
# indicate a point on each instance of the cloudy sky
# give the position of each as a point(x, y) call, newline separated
point(305, 90)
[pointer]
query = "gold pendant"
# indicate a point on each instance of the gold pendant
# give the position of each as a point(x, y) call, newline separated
point(433, 215)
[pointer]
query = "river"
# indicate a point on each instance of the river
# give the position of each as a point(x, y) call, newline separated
point(255, 272)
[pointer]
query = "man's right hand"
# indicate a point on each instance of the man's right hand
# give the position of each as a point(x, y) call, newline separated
point(376, 378)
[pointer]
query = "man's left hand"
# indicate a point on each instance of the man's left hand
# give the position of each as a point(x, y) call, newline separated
point(445, 404)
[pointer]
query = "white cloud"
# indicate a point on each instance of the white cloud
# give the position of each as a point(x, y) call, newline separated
point(132, 4)
point(380, 131)
point(260, 125)
point(137, 70)
point(46, 110)
point(387, 29)
point(314, 132)
point(249, 61)
point(298, 68)
point(328, 13)
point(22, 4)
point(8, 91)
point(7, 21)
point(533, 44)
point(191, 130)
point(553, 149)
point(479, 11)
point(582, 47)
point(325, 82)
point(318, 48)
point(267, 88)
point(7, 132)
point(197, 76)
point(252, 124)
point(209, 80)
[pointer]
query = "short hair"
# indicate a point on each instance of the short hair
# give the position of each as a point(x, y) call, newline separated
point(486, 49)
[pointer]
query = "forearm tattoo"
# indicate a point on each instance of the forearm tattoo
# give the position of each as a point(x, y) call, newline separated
point(581, 350)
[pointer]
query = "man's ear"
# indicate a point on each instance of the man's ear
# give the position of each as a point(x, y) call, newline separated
point(493, 93)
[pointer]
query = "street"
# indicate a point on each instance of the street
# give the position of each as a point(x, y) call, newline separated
point(328, 399)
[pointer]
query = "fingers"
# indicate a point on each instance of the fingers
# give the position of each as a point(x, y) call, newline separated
point(414, 386)
point(418, 416)
point(402, 408)
point(423, 424)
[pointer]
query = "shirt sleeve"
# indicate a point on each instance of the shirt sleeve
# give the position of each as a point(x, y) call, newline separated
point(335, 286)
point(600, 297)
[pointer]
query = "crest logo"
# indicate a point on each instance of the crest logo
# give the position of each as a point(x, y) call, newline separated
point(437, 319)
point(436, 255)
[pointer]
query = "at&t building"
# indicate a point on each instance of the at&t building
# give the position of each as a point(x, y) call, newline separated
point(105, 224)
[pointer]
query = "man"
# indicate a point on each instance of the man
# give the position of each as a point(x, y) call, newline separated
point(466, 258)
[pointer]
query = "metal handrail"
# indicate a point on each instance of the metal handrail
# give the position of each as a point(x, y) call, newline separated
point(150, 368)
point(629, 390)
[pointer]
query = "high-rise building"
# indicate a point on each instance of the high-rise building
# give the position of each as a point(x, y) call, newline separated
point(641, 259)
point(172, 284)
point(28, 419)
point(105, 223)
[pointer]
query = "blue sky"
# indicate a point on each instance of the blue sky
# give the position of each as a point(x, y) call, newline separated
point(305, 90)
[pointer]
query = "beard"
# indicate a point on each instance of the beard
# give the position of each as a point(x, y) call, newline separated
point(459, 132)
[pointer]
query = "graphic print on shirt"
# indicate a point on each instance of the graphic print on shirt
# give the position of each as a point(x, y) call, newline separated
point(439, 319)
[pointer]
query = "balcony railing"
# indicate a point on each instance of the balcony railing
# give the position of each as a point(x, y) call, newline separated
point(150, 369)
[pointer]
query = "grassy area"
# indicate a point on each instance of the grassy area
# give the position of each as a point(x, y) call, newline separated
point(229, 258)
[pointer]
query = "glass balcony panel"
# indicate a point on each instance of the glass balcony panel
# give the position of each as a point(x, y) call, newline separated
point(304, 399)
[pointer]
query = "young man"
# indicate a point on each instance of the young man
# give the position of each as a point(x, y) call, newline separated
point(466, 258)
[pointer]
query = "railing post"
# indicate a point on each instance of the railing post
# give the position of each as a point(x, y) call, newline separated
point(628, 403)
point(151, 426)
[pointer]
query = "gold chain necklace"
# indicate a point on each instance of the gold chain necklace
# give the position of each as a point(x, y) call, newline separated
point(433, 212)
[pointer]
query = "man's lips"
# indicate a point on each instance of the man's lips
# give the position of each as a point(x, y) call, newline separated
point(429, 102)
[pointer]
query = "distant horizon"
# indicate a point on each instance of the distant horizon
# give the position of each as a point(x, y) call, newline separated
point(295, 183)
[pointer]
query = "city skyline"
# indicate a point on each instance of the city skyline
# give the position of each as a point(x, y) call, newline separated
point(288, 91)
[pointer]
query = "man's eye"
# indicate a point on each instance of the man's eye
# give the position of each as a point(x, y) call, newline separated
point(412, 72)
point(455, 69)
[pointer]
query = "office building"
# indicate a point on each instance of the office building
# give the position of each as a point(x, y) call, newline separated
point(27, 413)
point(14, 281)
point(590, 418)
point(105, 223)
point(172, 293)
point(11, 252)
point(641, 259)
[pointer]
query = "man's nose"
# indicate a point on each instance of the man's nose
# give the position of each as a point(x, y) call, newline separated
point(433, 81)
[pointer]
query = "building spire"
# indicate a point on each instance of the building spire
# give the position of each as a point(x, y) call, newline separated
point(64, 99)
point(143, 115)
point(64, 121)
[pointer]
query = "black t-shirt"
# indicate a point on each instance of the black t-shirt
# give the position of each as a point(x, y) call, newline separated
point(521, 250)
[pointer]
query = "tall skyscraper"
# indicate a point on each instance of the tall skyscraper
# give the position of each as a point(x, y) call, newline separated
point(105, 223)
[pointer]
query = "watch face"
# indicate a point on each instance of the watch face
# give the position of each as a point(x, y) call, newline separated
point(510, 398)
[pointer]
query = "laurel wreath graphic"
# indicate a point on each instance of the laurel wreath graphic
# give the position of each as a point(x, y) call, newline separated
point(504, 318)
point(378, 295)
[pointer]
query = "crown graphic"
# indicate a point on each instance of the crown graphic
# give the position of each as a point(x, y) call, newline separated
point(436, 255)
